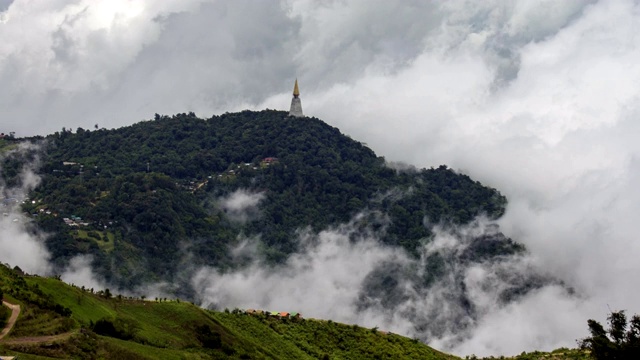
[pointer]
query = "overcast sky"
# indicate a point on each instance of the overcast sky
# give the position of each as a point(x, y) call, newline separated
point(539, 99)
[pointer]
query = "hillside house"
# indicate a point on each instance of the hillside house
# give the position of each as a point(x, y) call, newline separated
point(268, 161)
point(295, 315)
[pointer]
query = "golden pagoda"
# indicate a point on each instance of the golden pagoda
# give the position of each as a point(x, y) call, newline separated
point(296, 104)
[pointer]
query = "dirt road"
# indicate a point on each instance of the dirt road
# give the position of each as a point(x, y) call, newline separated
point(30, 340)
point(15, 311)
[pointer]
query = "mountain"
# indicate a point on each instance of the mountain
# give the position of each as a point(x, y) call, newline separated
point(62, 321)
point(149, 189)
point(157, 201)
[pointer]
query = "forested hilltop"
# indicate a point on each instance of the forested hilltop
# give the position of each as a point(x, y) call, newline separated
point(148, 199)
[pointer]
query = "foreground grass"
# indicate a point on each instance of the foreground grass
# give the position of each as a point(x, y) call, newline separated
point(318, 339)
point(558, 354)
point(174, 330)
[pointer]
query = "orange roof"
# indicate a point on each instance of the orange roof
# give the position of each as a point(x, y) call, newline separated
point(284, 313)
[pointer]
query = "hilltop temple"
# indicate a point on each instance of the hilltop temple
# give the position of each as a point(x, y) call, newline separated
point(296, 105)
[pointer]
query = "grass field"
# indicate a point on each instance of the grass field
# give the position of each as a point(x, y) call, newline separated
point(104, 240)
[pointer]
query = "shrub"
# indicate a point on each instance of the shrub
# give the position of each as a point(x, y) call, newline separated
point(5, 312)
point(209, 338)
point(119, 328)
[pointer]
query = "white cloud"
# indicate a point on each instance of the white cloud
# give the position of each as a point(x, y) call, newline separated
point(20, 244)
point(19, 248)
point(469, 309)
point(241, 205)
point(80, 273)
point(323, 280)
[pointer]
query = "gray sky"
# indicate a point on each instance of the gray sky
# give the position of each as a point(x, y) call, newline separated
point(536, 98)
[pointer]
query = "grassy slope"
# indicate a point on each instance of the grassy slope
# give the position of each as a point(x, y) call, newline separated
point(317, 338)
point(167, 330)
point(37, 316)
point(558, 354)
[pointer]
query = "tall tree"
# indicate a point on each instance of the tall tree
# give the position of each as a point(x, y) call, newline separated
point(620, 341)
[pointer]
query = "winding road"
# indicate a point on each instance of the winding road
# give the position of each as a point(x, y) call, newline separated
point(15, 311)
point(30, 340)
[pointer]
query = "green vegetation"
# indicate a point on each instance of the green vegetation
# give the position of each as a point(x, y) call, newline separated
point(318, 339)
point(7, 144)
point(111, 327)
point(5, 312)
point(620, 341)
point(137, 196)
point(558, 354)
point(40, 314)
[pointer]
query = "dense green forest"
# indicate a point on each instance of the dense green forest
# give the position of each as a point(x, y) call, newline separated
point(144, 200)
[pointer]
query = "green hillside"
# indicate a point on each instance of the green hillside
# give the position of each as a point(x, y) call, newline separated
point(151, 329)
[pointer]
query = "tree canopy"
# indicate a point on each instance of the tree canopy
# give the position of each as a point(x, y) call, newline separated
point(143, 199)
point(620, 341)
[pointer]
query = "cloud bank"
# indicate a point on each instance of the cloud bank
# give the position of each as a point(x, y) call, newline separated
point(348, 275)
point(535, 98)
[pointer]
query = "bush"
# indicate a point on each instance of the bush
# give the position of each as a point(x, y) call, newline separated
point(209, 338)
point(119, 328)
point(5, 312)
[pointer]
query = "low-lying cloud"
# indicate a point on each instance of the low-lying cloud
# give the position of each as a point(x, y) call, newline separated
point(348, 275)
point(19, 248)
point(241, 205)
point(20, 244)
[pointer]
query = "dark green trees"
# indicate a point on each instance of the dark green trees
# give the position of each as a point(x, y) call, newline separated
point(4, 315)
point(147, 196)
point(620, 341)
point(4, 312)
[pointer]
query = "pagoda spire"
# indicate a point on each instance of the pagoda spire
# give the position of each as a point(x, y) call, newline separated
point(296, 91)
point(296, 104)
